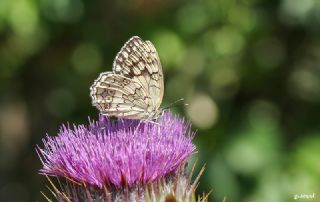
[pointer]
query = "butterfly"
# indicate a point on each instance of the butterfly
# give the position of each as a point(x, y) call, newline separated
point(134, 89)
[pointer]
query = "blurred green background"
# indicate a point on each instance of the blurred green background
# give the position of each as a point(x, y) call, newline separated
point(249, 69)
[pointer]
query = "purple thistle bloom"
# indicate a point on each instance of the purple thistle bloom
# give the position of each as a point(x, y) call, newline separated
point(118, 153)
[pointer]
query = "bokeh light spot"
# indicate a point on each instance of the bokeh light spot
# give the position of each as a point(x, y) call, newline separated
point(270, 181)
point(190, 24)
point(293, 11)
point(202, 111)
point(178, 87)
point(269, 52)
point(224, 76)
point(227, 41)
point(4, 10)
point(224, 180)
point(257, 145)
point(193, 62)
point(304, 83)
point(170, 48)
point(24, 17)
point(303, 174)
point(308, 153)
point(224, 80)
point(86, 59)
point(63, 10)
point(263, 112)
point(242, 17)
point(252, 151)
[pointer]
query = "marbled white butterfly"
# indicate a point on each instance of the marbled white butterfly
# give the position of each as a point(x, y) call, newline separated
point(134, 88)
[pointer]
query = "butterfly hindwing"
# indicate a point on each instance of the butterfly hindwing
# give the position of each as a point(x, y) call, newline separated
point(116, 92)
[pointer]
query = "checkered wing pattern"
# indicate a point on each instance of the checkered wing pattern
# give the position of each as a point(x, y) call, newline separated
point(134, 89)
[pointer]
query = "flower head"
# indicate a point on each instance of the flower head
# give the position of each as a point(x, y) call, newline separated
point(118, 153)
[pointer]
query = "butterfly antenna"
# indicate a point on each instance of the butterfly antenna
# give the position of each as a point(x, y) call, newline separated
point(174, 103)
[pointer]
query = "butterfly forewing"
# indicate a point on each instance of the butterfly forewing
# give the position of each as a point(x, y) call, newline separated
point(135, 87)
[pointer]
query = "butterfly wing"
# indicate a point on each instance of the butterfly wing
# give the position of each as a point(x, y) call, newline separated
point(135, 87)
point(139, 61)
point(117, 95)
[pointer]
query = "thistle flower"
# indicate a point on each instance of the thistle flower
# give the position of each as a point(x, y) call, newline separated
point(120, 160)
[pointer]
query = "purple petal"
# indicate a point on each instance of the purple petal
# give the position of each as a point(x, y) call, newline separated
point(123, 152)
